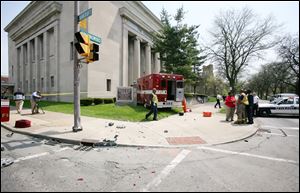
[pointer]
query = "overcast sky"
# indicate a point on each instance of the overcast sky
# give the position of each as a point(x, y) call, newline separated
point(198, 13)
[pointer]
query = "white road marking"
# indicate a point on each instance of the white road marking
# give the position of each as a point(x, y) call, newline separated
point(248, 154)
point(31, 156)
point(283, 127)
point(281, 135)
point(165, 172)
point(62, 149)
point(38, 155)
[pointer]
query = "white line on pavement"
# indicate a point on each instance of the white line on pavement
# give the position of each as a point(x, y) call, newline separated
point(283, 127)
point(248, 154)
point(281, 135)
point(38, 155)
point(62, 149)
point(165, 172)
point(31, 156)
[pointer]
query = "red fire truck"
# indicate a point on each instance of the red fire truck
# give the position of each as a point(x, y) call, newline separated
point(169, 89)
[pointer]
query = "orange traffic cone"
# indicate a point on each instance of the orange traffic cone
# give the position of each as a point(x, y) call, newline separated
point(184, 105)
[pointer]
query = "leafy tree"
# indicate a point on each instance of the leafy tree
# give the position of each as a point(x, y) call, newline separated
point(272, 78)
point(288, 50)
point(178, 47)
point(238, 37)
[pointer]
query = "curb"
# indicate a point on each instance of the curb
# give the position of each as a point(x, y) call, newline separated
point(69, 141)
point(79, 142)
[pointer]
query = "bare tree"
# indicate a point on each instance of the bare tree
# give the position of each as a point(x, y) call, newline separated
point(239, 36)
point(288, 50)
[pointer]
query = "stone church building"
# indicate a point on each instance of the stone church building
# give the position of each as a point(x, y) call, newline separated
point(40, 47)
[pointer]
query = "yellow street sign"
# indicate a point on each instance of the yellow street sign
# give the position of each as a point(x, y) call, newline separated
point(82, 24)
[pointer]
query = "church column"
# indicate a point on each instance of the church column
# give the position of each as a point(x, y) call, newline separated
point(136, 59)
point(148, 59)
point(157, 63)
point(125, 55)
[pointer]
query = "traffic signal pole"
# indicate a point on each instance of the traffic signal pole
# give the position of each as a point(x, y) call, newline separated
point(77, 122)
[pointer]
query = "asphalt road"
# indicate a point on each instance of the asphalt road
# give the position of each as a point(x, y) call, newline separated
point(268, 161)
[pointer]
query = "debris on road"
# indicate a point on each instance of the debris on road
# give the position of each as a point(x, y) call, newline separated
point(106, 142)
point(10, 134)
point(6, 162)
point(165, 131)
point(110, 124)
point(121, 126)
point(2, 148)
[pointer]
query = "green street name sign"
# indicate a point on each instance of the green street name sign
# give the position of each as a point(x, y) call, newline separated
point(85, 14)
point(93, 38)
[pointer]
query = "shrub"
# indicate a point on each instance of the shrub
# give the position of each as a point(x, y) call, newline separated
point(188, 95)
point(86, 102)
point(98, 101)
point(212, 99)
point(107, 101)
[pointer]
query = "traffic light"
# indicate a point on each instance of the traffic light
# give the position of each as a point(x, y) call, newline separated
point(94, 49)
point(83, 44)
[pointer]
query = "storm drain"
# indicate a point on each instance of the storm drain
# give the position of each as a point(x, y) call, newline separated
point(185, 140)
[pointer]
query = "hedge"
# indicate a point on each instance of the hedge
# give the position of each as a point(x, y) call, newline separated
point(98, 101)
point(86, 101)
point(108, 100)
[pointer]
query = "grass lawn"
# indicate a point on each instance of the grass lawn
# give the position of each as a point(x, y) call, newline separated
point(212, 99)
point(109, 111)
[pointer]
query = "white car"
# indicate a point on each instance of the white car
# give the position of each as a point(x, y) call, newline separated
point(280, 95)
point(283, 105)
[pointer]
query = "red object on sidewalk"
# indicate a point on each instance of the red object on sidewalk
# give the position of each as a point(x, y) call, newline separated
point(206, 114)
point(23, 123)
point(184, 105)
point(4, 110)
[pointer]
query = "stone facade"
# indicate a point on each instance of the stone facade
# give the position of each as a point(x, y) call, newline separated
point(40, 41)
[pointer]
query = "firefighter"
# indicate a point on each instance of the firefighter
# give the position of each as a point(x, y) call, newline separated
point(241, 108)
point(154, 102)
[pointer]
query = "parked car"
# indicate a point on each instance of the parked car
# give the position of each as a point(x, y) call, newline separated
point(272, 98)
point(281, 105)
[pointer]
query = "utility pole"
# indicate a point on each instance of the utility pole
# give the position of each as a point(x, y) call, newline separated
point(77, 123)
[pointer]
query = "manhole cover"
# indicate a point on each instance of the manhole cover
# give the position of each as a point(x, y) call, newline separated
point(185, 140)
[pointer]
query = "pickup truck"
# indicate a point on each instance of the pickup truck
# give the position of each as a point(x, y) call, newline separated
point(283, 105)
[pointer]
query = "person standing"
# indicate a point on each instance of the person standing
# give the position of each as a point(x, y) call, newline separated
point(154, 102)
point(230, 106)
point(255, 104)
point(19, 98)
point(249, 107)
point(241, 108)
point(219, 97)
point(35, 97)
point(4, 93)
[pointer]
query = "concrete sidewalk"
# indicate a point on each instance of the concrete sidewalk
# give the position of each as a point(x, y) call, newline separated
point(174, 131)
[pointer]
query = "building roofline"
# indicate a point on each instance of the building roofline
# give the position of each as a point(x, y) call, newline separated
point(32, 3)
point(141, 4)
point(7, 28)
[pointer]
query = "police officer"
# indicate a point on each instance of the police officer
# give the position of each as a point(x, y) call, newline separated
point(154, 102)
point(249, 107)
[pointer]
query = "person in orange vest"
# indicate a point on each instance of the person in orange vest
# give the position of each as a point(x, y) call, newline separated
point(154, 102)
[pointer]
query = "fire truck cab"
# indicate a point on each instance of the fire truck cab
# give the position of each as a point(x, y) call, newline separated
point(169, 89)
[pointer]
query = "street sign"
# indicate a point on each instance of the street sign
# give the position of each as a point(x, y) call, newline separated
point(82, 24)
point(85, 14)
point(93, 38)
